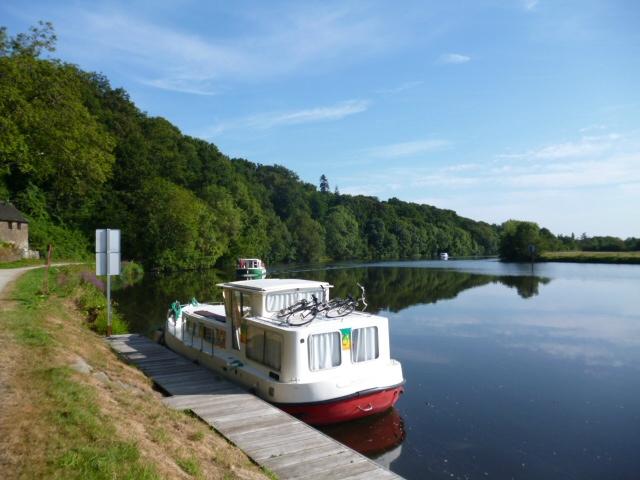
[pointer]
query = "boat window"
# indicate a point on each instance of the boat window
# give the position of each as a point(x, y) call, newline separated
point(240, 308)
point(264, 347)
point(324, 351)
point(255, 343)
point(208, 334)
point(278, 301)
point(273, 350)
point(364, 344)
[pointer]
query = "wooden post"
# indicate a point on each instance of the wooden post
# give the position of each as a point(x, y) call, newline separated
point(46, 274)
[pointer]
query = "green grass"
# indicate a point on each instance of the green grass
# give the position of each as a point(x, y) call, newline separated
point(77, 441)
point(591, 257)
point(33, 336)
point(190, 466)
point(269, 473)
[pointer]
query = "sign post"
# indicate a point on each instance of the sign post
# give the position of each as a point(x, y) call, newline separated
point(108, 261)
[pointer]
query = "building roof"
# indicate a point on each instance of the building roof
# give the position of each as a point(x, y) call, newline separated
point(10, 213)
point(274, 285)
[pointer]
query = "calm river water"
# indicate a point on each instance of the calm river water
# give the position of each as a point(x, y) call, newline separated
point(510, 372)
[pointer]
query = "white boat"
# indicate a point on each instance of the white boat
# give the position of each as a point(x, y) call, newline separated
point(444, 256)
point(321, 364)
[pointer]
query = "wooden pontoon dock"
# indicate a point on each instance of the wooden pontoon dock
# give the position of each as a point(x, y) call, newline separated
point(272, 438)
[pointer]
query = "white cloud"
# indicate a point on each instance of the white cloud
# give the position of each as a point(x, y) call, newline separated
point(562, 186)
point(401, 88)
point(587, 146)
point(530, 4)
point(271, 43)
point(268, 120)
point(455, 58)
point(407, 149)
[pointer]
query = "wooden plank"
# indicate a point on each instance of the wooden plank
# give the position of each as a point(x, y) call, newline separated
point(340, 471)
point(259, 435)
point(264, 421)
point(221, 406)
point(307, 454)
point(190, 378)
point(167, 369)
point(197, 388)
point(278, 446)
point(252, 413)
point(378, 474)
point(326, 466)
point(172, 375)
point(221, 399)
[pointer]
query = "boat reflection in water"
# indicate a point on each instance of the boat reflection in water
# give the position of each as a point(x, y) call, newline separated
point(379, 437)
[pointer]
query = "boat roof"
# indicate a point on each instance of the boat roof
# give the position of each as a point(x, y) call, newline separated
point(274, 285)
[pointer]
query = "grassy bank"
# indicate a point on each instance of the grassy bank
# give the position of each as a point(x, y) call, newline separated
point(71, 409)
point(591, 257)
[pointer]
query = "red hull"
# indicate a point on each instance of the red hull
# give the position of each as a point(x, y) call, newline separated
point(345, 409)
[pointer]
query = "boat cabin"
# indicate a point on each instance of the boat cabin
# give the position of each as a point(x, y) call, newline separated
point(248, 328)
point(250, 263)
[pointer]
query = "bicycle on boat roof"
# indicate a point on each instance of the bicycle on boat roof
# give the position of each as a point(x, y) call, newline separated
point(305, 311)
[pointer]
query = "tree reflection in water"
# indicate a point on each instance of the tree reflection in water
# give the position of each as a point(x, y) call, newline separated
point(144, 305)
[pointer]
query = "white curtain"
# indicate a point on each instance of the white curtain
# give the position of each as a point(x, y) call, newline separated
point(278, 301)
point(364, 344)
point(255, 344)
point(273, 350)
point(324, 351)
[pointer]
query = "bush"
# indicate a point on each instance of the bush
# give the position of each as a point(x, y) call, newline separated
point(92, 302)
point(67, 243)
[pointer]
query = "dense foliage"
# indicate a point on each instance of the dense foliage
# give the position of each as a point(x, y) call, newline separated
point(77, 154)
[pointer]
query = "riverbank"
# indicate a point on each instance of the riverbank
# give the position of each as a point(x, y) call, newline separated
point(72, 409)
point(591, 257)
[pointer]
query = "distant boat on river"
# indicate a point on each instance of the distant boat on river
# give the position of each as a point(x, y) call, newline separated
point(250, 268)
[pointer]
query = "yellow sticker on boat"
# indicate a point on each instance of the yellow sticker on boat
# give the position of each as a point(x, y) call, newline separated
point(346, 338)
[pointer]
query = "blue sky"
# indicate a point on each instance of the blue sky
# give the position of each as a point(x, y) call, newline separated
point(497, 109)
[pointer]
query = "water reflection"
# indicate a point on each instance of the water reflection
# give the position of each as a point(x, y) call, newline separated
point(391, 288)
point(372, 436)
point(509, 374)
point(396, 288)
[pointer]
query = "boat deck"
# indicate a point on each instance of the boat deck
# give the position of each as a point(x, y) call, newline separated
point(272, 438)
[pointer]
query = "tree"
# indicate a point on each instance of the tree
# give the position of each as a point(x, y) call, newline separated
point(32, 44)
point(181, 231)
point(47, 135)
point(517, 237)
point(343, 239)
point(324, 184)
point(308, 238)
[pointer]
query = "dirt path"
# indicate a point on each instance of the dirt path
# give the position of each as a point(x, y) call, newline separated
point(8, 275)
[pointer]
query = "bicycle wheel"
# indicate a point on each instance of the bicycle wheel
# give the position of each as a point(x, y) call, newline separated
point(302, 318)
point(341, 310)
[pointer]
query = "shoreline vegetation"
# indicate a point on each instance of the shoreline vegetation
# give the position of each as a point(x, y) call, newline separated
point(72, 409)
point(591, 257)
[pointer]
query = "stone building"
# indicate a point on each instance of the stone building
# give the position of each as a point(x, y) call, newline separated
point(14, 228)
